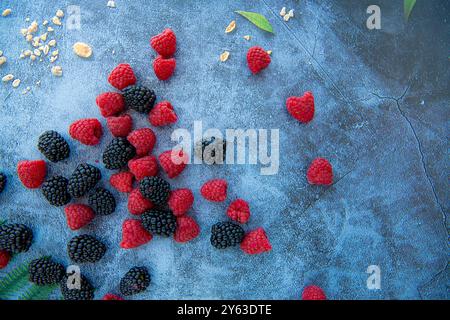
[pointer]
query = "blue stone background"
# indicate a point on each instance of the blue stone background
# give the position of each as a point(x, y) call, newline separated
point(382, 119)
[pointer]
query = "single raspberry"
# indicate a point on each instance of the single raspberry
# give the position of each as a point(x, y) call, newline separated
point(164, 43)
point(257, 59)
point(187, 229)
point(86, 131)
point(120, 126)
point(32, 173)
point(214, 190)
point(137, 204)
point(134, 234)
point(313, 293)
point(110, 296)
point(164, 68)
point(173, 162)
point(256, 242)
point(122, 76)
point(143, 167)
point(78, 215)
point(320, 172)
point(301, 108)
point(122, 181)
point(162, 114)
point(180, 201)
point(239, 211)
point(110, 103)
point(143, 140)
point(4, 258)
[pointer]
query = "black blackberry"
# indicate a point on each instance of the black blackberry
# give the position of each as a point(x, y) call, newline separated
point(159, 221)
point(85, 248)
point(102, 201)
point(207, 148)
point(15, 238)
point(44, 271)
point(2, 182)
point(83, 179)
point(139, 98)
point(55, 191)
point(226, 234)
point(118, 153)
point(69, 290)
point(53, 146)
point(136, 280)
point(155, 189)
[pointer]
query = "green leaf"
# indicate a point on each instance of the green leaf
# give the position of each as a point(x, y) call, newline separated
point(36, 292)
point(14, 281)
point(408, 6)
point(257, 19)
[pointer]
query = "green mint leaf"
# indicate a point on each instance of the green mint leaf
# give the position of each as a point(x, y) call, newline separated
point(257, 19)
point(408, 6)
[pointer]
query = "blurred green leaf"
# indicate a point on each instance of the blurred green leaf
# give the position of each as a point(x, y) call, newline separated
point(257, 19)
point(408, 6)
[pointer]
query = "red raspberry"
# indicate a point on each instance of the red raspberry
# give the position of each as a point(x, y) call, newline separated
point(187, 229)
point(110, 103)
point(239, 211)
point(143, 140)
point(320, 172)
point(143, 167)
point(172, 162)
point(180, 201)
point(313, 293)
point(164, 43)
point(301, 108)
point(255, 242)
point(78, 215)
point(122, 181)
point(110, 296)
point(214, 190)
point(162, 114)
point(137, 204)
point(122, 76)
point(120, 126)
point(257, 59)
point(134, 234)
point(4, 258)
point(164, 68)
point(32, 173)
point(87, 131)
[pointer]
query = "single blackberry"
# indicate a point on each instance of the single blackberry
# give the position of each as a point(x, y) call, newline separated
point(83, 179)
point(2, 182)
point(15, 238)
point(155, 189)
point(136, 280)
point(69, 290)
point(102, 201)
point(211, 150)
point(55, 191)
point(226, 234)
point(159, 221)
point(139, 98)
point(118, 153)
point(53, 146)
point(44, 271)
point(85, 248)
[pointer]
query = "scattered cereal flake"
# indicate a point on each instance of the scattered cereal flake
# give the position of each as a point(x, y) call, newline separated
point(59, 13)
point(52, 43)
point(269, 52)
point(16, 83)
point(111, 4)
point(291, 13)
point(37, 52)
point(82, 49)
point(224, 56)
point(1, 53)
point(247, 37)
point(33, 27)
point(6, 12)
point(57, 71)
point(29, 37)
point(24, 31)
point(26, 90)
point(27, 53)
point(46, 49)
point(231, 27)
point(45, 23)
point(44, 36)
point(283, 11)
point(21, 56)
point(50, 29)
point(33, 57)
point(38, 83)
point(35, 44)
point(2, 60)
point(27, 19)
point(53, 59)
point(55, 52)
point(56, 21)
point(286, 17)
point(7, 78)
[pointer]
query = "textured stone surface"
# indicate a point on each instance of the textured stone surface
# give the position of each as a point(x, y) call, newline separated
point(382, 118)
